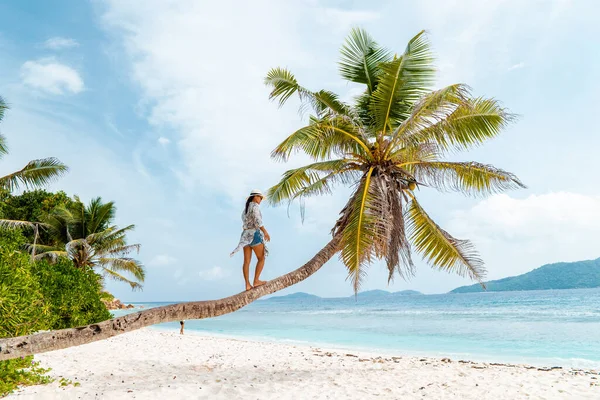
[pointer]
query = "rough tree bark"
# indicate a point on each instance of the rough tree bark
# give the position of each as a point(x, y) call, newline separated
point(60, 339)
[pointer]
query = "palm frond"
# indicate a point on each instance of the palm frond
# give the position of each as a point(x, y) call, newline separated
point(99, 215)
point(439, 248)
point(15, 224)
point(123, 264)
point(124, 250)
point(120, 278)
point(402, 82)
point(50, 255)
point(284, 85)
point(3, 107)
point(359, 232)
point(322, 138)
point(3, 146)
point(35, 174)
point(471, 178)
point(295, 181)
point(360, 59)
point(471, 124)
point(431, 109)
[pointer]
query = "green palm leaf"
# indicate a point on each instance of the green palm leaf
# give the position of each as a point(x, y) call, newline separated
point(99, 215)
point(284, 85)
point(359, 232)
point(431, 109)
point(322, 138)
point(296, 180)
point(123, 264)
point(467, 177)
point(360, 59)
point(3, 146)
point(439, 248)
point(35, 174)
point(471, 124)
point(120, 278)
point(402, 82)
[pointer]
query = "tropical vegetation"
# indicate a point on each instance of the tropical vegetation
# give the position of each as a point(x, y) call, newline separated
point(88, 237)
point(38, 296)
point(55, 290)
point(391, 141)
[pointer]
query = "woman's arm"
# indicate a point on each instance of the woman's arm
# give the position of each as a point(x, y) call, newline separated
point(258, 220)
point(264, 231)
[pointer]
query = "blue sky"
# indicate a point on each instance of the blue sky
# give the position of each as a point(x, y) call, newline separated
point(160, 106)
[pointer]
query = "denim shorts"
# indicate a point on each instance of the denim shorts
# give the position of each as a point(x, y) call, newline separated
point(258, 239)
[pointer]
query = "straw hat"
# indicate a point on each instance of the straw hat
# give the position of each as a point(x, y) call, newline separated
point(256, 192)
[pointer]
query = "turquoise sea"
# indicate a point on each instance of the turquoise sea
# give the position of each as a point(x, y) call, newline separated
point(550, 328)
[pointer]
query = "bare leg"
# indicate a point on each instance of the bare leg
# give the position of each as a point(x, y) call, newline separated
point(246, 267)
point(259, 250)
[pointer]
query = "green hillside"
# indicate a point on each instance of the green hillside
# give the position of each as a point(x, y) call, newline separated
point(580, 274)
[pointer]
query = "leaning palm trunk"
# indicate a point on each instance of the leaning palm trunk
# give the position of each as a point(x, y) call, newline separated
point(55, 340)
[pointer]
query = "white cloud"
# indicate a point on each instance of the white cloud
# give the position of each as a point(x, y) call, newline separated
point(213, 274)
point(58, 43)
point(51, 76)
point(211, 92)
point(163, 141)
point(516, 66)
point(162, 260)
point(517, 235)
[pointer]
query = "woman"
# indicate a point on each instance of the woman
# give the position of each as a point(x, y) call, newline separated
point(254, 236)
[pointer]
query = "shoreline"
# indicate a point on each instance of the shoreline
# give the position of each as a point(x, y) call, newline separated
point(534, 362)
point(152, 363)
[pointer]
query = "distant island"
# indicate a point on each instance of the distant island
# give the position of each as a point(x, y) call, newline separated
point(369, 294)
point(294, 296)
point(574, 275)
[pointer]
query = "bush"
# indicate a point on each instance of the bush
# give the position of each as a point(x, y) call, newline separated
point(39, 296)
point(22, 304)
point(73, 294)
point(23, 309)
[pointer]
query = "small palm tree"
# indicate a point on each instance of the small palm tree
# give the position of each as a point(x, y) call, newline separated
point(390, 142)
point(86, 235)
point(36, 173)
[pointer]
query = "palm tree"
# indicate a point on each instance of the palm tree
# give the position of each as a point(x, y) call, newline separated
point(387, 144)
point(390, 142)
point(87, 236)
point(36, 173)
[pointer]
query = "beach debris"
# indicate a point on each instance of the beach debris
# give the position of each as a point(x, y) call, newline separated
point(350, 355)
point(446, 360)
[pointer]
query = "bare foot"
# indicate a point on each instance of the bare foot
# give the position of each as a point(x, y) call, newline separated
point(248, 286)
point(259, 283)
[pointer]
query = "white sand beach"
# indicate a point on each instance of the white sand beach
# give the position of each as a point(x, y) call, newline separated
point(154, 364)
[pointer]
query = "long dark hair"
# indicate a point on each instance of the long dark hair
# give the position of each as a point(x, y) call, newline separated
point(248, 203)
